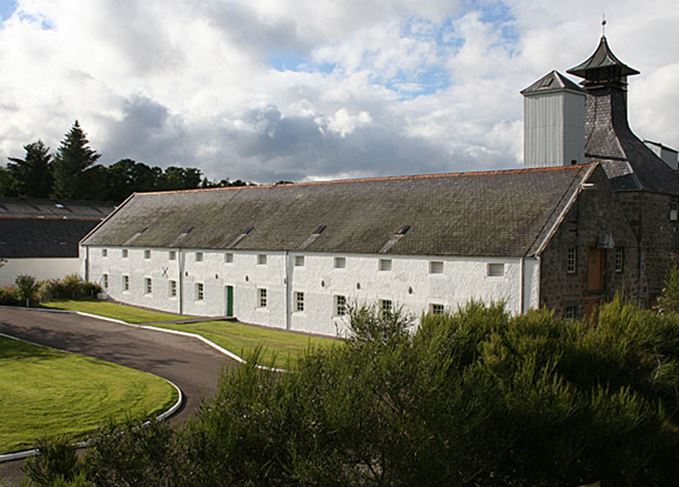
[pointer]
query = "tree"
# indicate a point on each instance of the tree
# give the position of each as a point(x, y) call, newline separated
point(669, 298)
point(31, 176)
point(128, 176)
point(73, 158)
point(7, 186)
point(180, 178)
point(26, 287)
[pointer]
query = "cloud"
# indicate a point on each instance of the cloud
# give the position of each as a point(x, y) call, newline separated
point(290, 89)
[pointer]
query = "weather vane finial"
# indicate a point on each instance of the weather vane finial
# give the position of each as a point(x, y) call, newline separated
point(603, 25)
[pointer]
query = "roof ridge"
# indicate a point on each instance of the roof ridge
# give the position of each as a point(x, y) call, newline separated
point(573, 167)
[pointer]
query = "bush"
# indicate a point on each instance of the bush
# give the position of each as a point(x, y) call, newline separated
point(26, 289)
point(477, 397)
point(56, 463)
point(70, 287)
point(9, 296)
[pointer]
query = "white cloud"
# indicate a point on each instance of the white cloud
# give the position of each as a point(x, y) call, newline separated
point(292, 89)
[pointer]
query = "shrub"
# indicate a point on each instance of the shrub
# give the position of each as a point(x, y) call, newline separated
point(56, 463)
point(9, 296)
point(669, 298)
point(70, 287)
point(26, 289)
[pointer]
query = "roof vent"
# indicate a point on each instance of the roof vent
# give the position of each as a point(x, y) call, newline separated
point(403, 230)
point(394, 239)
point(319, 229)
point(135, 236)
point(240, 237)
point(59, 205)
point(312, 238)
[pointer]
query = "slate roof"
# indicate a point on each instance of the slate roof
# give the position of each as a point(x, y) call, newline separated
point(499, 213)
point(43, 228)
point(602, 59)
point(552, 81)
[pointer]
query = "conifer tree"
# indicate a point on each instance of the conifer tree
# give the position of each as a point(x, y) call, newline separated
point(31, 177)
point(73, 158)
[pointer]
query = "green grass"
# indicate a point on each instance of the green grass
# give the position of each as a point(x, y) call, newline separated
point(278, 347)
point(46, 392)
point(123, 312)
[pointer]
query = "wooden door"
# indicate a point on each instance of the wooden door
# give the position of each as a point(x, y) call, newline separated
point(595, 269)
point(229, 300)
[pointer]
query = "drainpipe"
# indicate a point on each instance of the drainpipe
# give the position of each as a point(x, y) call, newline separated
point(522, 279)
point(180, 267)
point(288, 285)
point(87, 263)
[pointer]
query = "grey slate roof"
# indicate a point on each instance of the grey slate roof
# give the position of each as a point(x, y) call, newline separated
point(629, 163)
point(501, 213)
point(552, 81)
point(602, 58)
point(42, 228)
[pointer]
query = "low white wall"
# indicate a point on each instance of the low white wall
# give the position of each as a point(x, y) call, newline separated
point(39, 268)
point(409, 283)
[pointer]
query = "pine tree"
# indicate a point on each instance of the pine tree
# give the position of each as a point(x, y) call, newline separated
point(72, 160)
point(31, 177)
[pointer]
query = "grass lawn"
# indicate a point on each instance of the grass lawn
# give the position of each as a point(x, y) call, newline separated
point(283, 347)
point(46, 392)
point(123, 312)
point(279, 347)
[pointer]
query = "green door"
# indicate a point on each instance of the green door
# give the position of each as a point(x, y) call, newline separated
point(229, 300)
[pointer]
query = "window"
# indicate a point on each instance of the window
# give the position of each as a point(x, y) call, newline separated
point(572, 260)
point(674, 212)
point(619, 259)
point(570, 312)
point(147, 254)
point(299, 261)
point(384, 265)
point(125, 253)
point(386, 306)
point(261, 295)
point(228, 258)
point(104, 279)
point(496, 270)
point(436, 309)
point(173, 255)
point(173, 289)
point(299, 301)
point(199, 256)
point(126, 283)
point(148, 285)
point(104, 252)
point(435, 267)
point(261, 259)
point(340, 262)
point(340, 305)
point(200, 291)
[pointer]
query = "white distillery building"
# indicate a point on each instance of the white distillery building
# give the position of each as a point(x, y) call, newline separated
point(39, 237)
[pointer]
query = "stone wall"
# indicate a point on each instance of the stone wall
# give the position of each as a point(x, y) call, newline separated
point(595, 214)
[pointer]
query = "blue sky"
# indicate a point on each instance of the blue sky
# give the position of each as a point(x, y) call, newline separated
point(302, 89)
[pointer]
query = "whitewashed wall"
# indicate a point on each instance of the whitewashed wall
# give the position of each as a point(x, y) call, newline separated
point(409, 284)
point(43, 268)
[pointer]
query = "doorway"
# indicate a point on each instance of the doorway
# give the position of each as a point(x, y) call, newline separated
point(229, 301)
point(596, 259)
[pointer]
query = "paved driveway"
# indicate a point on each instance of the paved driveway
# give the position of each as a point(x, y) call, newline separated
point(191, 365)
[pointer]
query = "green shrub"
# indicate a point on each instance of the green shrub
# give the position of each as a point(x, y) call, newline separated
point(26, 289)
point(9, 296)
point(70, 287)
point(56, 463)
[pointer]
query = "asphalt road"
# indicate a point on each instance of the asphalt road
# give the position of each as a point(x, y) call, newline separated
point(190, 364)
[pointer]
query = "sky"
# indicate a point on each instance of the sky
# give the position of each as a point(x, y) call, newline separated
point(268, 90)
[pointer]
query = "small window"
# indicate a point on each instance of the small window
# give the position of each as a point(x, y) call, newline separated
point(261, 259)
point(435, 267)
point(261, 295)
point(299, 261)
point(299, 301)
point(570, 312)
point(384, 265)
point(148, 285)
point(619, 259)
point(436, 309)
point(126, 283)
point(228, 258)
point(173, 255)
point(386, 306)
point(572, 260)
point(199, 256)
point(125, 253)
point(674, 212)
point(104, 252)
point(496, 270)
point(340, 262)
point(147, 254)
point(104, 280)
point(200, 291)
point(340, 305)
point(173, 289)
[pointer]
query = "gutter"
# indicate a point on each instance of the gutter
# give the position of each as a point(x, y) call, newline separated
point(180, 268)
point(522, 278)
point(288, 286)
